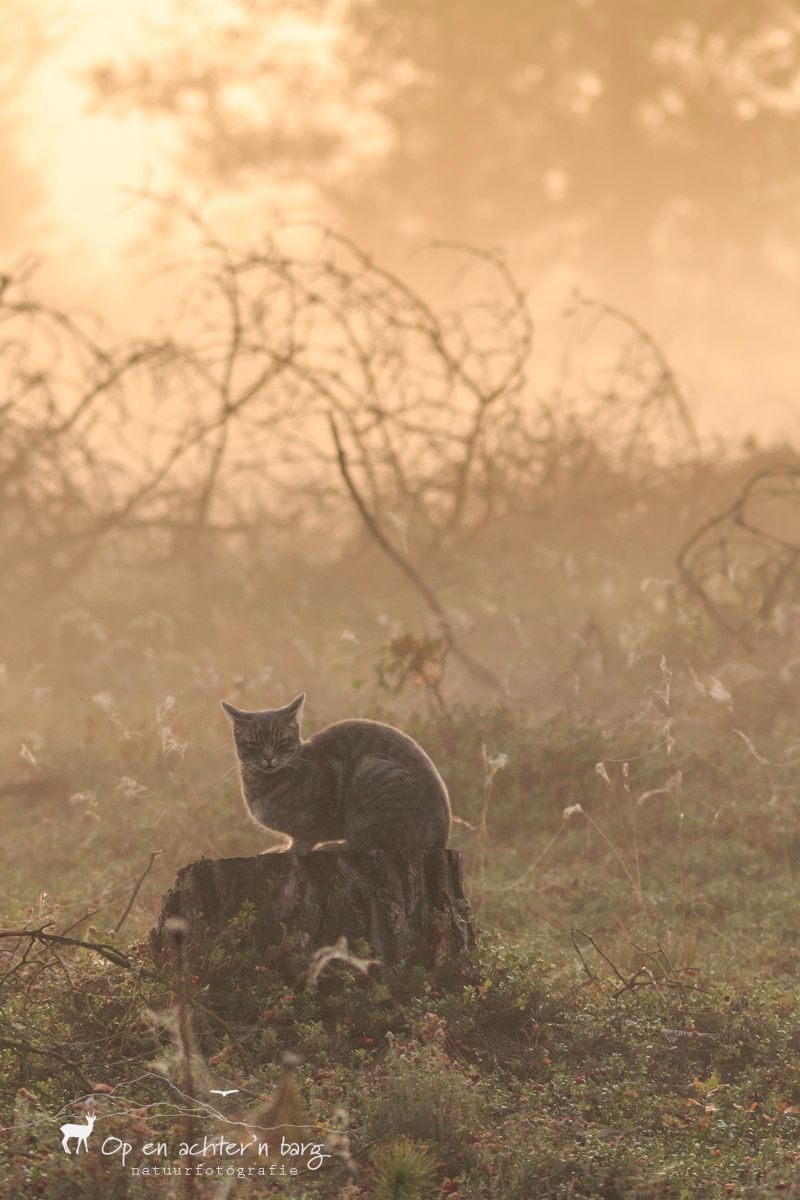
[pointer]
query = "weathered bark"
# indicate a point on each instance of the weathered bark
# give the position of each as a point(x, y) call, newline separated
point(405, 908)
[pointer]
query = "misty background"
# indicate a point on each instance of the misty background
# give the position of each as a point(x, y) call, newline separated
point(642, 153)
point(437, 360)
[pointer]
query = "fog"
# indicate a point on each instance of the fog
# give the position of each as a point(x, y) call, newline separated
point(436, 360)
point(644, 159)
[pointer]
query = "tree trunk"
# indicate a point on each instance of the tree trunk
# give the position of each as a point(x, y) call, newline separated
point(406, 909)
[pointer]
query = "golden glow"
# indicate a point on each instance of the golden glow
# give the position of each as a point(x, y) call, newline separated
point(91, 158)
point(99, 246)
point(93, 163)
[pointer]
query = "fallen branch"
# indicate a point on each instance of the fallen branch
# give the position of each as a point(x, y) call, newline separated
point(465, 658)
point(38, 935)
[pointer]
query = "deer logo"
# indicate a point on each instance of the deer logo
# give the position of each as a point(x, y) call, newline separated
point(81, 1132)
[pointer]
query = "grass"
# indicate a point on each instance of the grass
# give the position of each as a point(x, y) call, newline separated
point(629, 1025)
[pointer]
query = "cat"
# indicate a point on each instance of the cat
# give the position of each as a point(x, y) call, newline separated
point(361, 782)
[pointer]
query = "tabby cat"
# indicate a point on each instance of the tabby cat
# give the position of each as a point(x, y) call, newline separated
point(360, 782)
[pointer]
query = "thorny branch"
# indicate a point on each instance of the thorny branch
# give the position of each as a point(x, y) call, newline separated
point(154, 437)
point(742, 563)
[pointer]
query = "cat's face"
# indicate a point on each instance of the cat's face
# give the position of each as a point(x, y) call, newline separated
point(266, 740)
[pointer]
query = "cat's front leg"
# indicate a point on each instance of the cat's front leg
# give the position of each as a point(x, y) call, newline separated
point(291, 846)
point(280, 848)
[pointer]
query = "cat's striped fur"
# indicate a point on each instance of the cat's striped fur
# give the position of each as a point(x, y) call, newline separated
point(361, 782)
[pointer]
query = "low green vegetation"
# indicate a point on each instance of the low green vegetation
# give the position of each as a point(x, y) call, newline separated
point(628, 1027)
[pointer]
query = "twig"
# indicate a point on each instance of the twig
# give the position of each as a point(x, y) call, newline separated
point(153, 856)
point(47, 1052)
point(625, 982)
point(704, 555)
point(177, 929)
point(145, 973)
point(475, 667)
point(86, 916)
point(589, 972)
point(38, 935)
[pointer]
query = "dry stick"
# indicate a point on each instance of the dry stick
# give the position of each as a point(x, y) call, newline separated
point(177, 931)
point(478, 669)
point(589, 972)
point(633, 982)
point(38, 935)
point(47, 1052)
point(673, 979)
point(605, 958)
point(86, 916)
point(120, 960)
point(153, 856)
point(157, 977)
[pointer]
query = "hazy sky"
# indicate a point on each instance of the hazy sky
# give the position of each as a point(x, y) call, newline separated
point(95, 239)
point(88, 161)
point(73, 169)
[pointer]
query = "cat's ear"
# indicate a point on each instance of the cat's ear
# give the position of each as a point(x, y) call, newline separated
point(294, 711)
point(237, 715)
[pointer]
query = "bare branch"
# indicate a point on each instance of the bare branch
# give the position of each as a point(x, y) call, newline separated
point(478, 669)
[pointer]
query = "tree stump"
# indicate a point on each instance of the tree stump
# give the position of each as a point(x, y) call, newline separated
point(406, 909)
